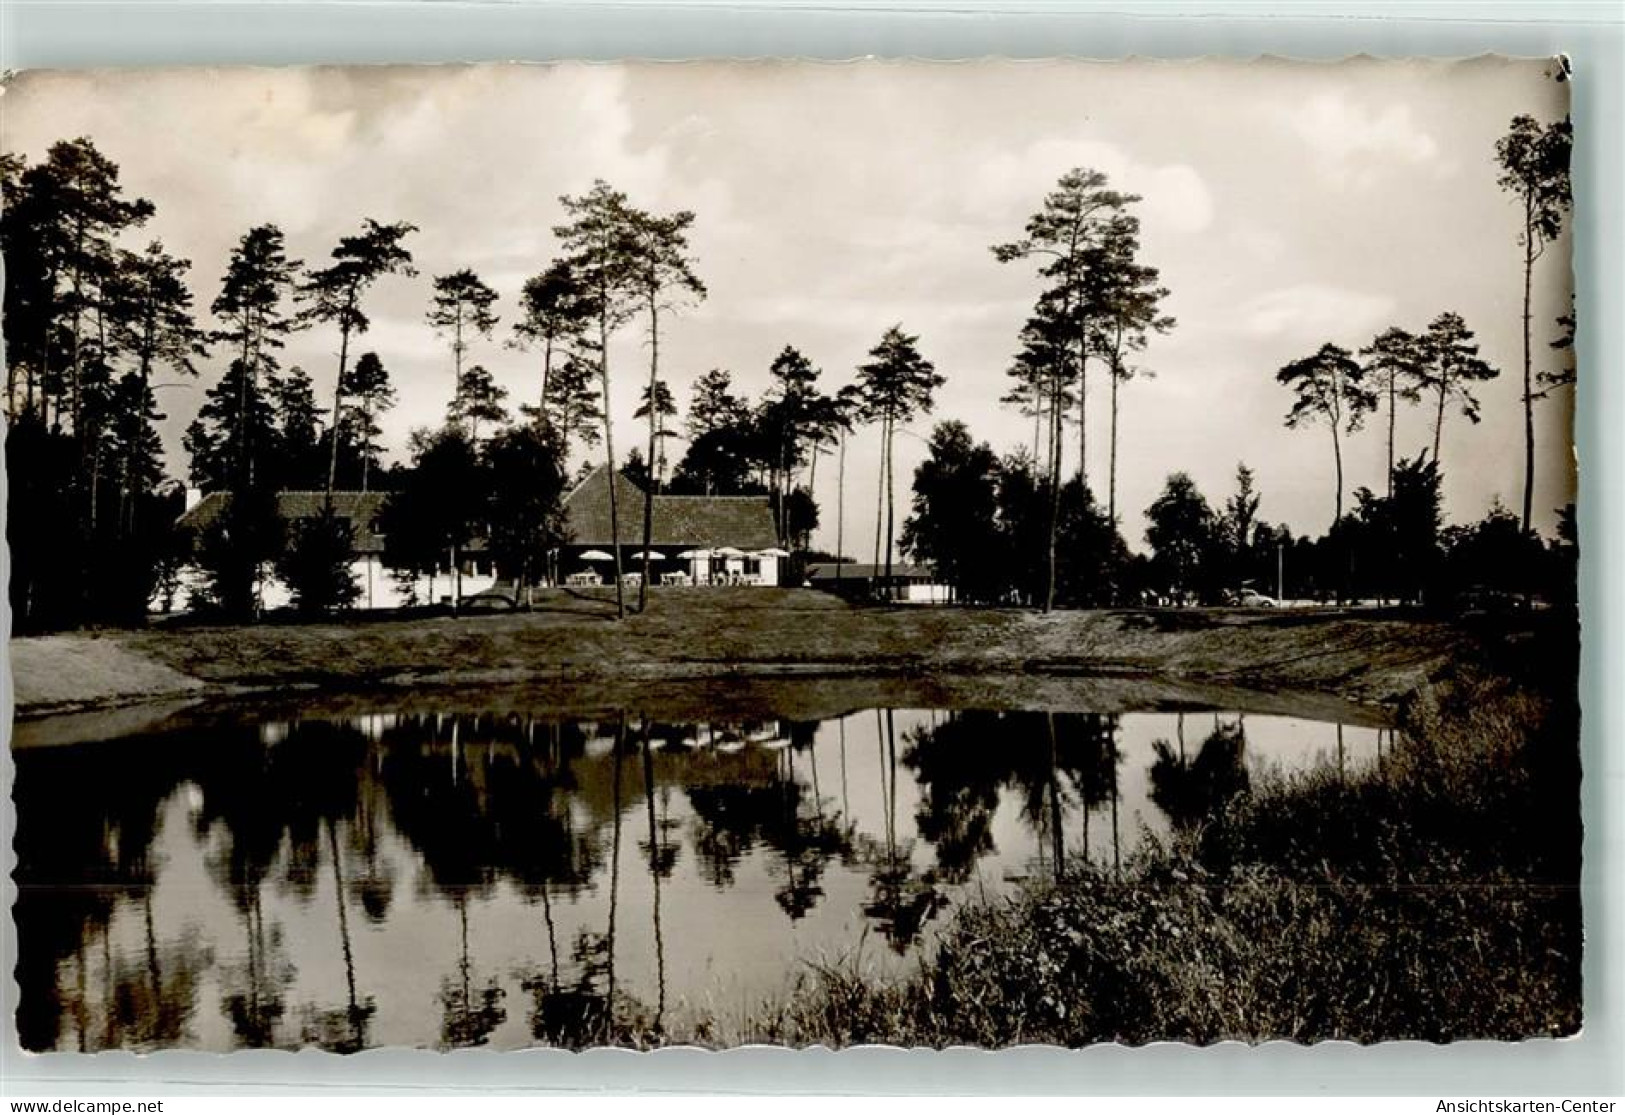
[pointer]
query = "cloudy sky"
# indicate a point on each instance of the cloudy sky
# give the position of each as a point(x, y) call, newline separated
point(1286, 205)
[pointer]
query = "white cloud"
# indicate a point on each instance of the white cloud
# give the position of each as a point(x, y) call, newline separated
point(1355, 145)
point(1007, 183)
point(1314, 311)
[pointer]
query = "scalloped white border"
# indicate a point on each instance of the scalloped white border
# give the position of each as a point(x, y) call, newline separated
point(97, 33)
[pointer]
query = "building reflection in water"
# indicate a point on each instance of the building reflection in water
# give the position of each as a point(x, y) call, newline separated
point(413, 877)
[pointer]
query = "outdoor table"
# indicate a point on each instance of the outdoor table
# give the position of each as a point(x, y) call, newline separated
point(675, 579)
point(582, 579)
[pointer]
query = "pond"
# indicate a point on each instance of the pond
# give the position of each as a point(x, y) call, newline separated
point(443, 875)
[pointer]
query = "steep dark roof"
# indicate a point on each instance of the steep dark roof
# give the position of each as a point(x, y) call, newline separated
point(745, 522)
point(361, 508)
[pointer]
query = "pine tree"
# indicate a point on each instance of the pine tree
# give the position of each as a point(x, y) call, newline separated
point(259, 283)
point(234, 404)
point(335, 294)
point(598, 249)
point(1125, 300)
point(1329, 389)
point(296, 461)
point(1066, 234)
point(1045, 375)
point(461, 311)
point(664, 407)
point(1396, 364)
point(479, 399)
point(88, 211)
point(896, 384)
point(1535, 169)
point(369, 391)
point(555, 312)
point(1451, 366)
point(153, 323)
point(661, 278)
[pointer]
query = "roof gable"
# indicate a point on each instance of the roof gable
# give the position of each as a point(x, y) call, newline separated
point(709, 521)
point(361, 508)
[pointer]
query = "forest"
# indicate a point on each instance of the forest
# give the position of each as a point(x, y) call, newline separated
point(99, 326)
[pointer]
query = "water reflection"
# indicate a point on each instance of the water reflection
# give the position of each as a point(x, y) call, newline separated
point(450, 878)
point(1190, 789)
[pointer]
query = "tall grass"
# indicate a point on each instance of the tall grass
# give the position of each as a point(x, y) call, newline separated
point(1435, 898)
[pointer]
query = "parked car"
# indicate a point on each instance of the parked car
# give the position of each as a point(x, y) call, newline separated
point(1252, 598)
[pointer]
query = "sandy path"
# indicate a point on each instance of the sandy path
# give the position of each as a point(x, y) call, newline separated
point(68, 671)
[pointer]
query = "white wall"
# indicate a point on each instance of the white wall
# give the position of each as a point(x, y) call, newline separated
point(379, 588)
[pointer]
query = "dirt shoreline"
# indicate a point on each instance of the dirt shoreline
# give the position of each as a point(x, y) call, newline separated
point(706, 635)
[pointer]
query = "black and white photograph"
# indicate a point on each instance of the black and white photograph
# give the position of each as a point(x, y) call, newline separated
point(724, 553)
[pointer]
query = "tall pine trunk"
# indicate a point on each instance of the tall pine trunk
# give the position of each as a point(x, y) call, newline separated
point(1528, 385)
point(47, 322)
point(1438, 427)
point(76, 327)
point(547, 374)
point(609, 457)
point(812, 487)
point(1393, 401)
point(1111, 481)
point(614, 884)
point(880, 500)
point(338, 401)
point(1038, 419)
point(891, 507)
point(1053, 510)
point(1083, 411)
point(366, 449)
point(244, 472)
point(1337, 456)
point(654, 427)
point(840, 508)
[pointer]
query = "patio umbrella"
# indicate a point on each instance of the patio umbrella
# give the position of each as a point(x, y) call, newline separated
point(652, 555)
point(773, 551)
point(597, 555)
point(728, 551)
point(693, 555)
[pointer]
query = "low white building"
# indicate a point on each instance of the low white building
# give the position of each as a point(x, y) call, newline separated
point(909, 584)
point(380, 587)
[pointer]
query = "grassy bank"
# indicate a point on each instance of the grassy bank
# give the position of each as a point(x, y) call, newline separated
point(1434, 900)
point(707, 632)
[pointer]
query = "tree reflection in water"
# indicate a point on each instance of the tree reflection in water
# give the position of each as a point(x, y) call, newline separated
point(1056, 764)
point(324, 844)
point(261, 806)
point(341, 1030)
point(84, 846)
point(662, 859)
point(1191, 790)
point(152, 999)
point(901, 900)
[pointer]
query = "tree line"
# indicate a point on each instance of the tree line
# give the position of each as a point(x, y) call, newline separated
point(95, 331)
point(980, 519)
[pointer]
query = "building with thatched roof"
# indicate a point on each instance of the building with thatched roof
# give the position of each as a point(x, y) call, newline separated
point(380, 587)
point(698, 540)
point(729, 538)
